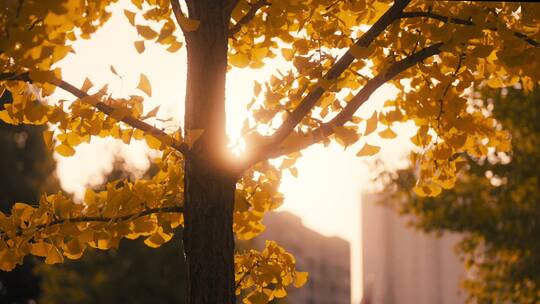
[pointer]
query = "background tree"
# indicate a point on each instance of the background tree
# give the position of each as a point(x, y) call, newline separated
point(431, 51)
point(26, 170)
point(495, 206)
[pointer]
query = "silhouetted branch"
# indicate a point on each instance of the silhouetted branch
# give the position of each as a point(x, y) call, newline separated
point(354, 104)
point(337, 69)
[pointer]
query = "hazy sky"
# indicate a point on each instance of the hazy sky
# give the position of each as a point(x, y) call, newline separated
point(326, 194)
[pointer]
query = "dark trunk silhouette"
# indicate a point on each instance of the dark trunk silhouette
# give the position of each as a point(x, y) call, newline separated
point(208, 186)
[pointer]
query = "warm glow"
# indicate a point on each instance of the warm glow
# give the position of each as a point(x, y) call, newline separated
point(326, 193)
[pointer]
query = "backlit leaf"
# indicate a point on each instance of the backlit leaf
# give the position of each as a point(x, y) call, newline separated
point(48, 138)
point(240, 60)
point(144, 85)
point(371, 124)
point(54, 256)
point(139, 46)
point(387, 133)
point(87, 84)
point(130, 16)
point(300, 278)
point(146, 32)
point(65, 150)
point(368, 150)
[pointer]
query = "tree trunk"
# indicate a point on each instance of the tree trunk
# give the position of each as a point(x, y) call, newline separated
point(208, 185)
point(208, 238)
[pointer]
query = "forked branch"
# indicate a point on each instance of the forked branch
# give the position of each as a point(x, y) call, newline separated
point(305, 106)
point(346, 114)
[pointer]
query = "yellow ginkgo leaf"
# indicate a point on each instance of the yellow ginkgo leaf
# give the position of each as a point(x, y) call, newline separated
point(54, 256)
point(65, 150)
point(157, 239)
point(288, 54)
point(387, 133)
point(259, 53)
point(368, 150)
point(152, 113)
point(300, 279)
point(131, 16)
point(240, 60)
point(87, 84)
point(139, 46)
point(287, 163)
point(74, 249)
point(146, 32)
point(371, 124)
point(4, 116)
point(144, 85)
point(153, 142)
point(175, 46)
point(294, 171)
point(40, 249)
point(48, 138)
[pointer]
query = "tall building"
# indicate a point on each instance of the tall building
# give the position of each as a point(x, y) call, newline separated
point(327, 259)
point(403, 265)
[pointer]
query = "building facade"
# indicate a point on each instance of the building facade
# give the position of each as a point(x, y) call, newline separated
point(327, 259)
point(403, 265)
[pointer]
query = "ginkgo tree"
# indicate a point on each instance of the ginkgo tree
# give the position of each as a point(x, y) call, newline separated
point(432, 51)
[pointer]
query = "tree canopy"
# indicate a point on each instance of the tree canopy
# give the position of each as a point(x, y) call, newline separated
point(494, 205)
point(430, 50)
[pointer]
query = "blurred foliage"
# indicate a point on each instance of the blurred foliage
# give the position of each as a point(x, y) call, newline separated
point(131, 273)
point(26, 170)
point(495, 205)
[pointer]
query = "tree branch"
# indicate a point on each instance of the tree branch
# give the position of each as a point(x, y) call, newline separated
point(177, 11)
point(132, 121)
point(248, 16)
point(462, 22)
point(337, 69)
point(84, 219)
point(352, 106)
point(87, 219)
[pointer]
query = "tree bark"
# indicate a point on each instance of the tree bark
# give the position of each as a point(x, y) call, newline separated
point(208, 237)
point(209, 186)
